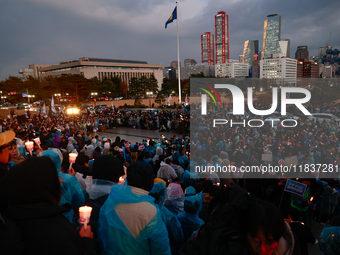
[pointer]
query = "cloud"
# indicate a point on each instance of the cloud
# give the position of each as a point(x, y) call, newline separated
point(49, 31)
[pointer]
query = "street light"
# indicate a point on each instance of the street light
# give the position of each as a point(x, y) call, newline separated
point(149, 93)
point(58, 96)
point(93, 94)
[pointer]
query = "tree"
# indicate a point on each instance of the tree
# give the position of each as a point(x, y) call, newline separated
point(135, 89)
point(153, 84)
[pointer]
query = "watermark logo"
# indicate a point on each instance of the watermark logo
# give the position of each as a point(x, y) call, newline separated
point(238, 99)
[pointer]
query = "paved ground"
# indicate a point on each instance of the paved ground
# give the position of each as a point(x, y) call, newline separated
point(133, 135)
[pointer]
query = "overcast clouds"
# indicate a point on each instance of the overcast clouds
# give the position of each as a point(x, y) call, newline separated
point(51, 31)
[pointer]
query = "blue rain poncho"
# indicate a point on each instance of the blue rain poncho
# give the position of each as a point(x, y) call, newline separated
point(71, 192)
point(175, 198)
point(190, 191)
point(330, 240)
point(171, 222)
point(189, 218)
point(115, 237)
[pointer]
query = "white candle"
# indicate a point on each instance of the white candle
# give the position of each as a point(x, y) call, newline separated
point(106, 145)
point(37, 141)
point(72, 157)
point(84, 215)
point(121, 180)
point(29, 146)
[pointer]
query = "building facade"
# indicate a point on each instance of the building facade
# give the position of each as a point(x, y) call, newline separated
point(302, 52)
point(285, 47)
point(174, 64)
point(207, 70)
point(103, 68)
point(271, 36)
point(248, 52)
point(307, 69)
point(232, 70)
point(189, 62)
point(284, 69)
point(256, 46)
point(207, 48)
point(221, 38)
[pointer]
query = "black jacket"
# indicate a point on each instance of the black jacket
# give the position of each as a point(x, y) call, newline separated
point(40, 229)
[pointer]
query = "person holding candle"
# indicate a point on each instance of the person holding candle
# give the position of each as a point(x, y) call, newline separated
point(33, 223)
point(129, 221)
point(105, 173)
point(72, 194)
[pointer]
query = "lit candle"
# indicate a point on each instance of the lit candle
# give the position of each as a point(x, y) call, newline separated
point(84, 215)
point(121, 180)
point(29, 147)
point(218, 184)
point(72, 158)
point(37, 141)
point(311, 199)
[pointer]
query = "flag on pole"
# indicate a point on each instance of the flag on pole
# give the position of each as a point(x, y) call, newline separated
point(173, 16)
point(186, 100)
point(52, 106)
point(44, 109)
point(113, 108)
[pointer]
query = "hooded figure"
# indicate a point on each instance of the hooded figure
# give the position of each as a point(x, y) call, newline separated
point(175, 198)
point(105, 174)
point(129, 221)
point(171, 222)
point(159, 151)
point(34, 220)
point(72, 196)
point(70, 146)
point(56, 141)
point(189, 219)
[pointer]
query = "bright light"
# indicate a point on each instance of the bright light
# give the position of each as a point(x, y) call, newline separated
point(72, 111)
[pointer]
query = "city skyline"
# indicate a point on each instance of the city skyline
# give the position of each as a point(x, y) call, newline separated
point(47, 32)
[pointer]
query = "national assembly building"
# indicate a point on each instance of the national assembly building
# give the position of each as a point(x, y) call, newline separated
point(98, 67)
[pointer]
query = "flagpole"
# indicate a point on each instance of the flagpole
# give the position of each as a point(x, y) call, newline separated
point(179, 67)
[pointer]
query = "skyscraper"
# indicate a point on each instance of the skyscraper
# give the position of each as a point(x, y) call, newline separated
point(207, 48)
point(221, 37)
point(256, 46)
point(285, 47)
point(302, 52)
point(271, 36)
point(248, 52)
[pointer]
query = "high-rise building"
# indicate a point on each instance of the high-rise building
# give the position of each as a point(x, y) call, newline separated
point(221, 37)
point(271, 36)
point(240, 58)
point(248, 52)
point(285, 47)
point(189, 62)
point(207, 48)
point(256, 46)
point(174, 64)
point(302, 52)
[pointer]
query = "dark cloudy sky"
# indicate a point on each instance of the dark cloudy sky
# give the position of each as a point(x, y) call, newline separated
point(51, 31)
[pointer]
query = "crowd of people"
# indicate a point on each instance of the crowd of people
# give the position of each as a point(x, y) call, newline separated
point(147, 198)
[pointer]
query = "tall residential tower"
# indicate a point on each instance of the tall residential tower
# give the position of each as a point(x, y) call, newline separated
point(207, 48)
point(221, 37)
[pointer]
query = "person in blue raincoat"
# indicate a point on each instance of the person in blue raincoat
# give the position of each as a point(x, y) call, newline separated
point(129, 221)
point(71, 192)
point(189, 219)
point(171, 222)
